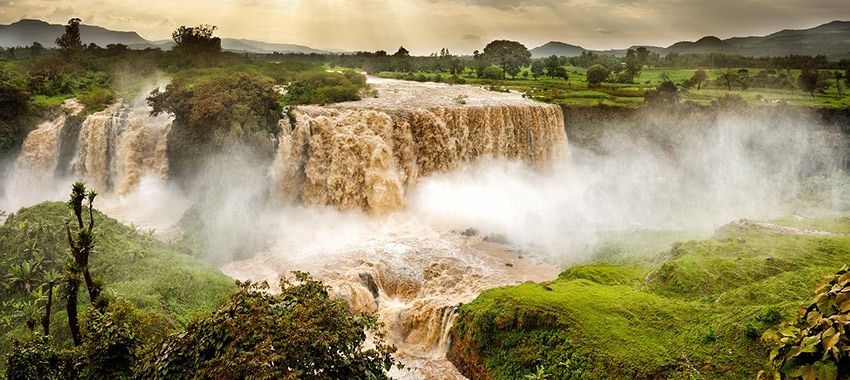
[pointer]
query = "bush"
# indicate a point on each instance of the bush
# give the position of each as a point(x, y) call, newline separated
point(300, 333)
point(816, 345)
point(493, 72)
point(323, 87)
point(597, 74)
point(97, 99)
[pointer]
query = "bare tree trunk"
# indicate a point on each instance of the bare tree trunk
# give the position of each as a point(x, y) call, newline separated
point(45, 323)
point(73, 322)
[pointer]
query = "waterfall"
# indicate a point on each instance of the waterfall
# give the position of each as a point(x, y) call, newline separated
point(359, 158)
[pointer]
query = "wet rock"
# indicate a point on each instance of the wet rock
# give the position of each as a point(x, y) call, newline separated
point(496, 238)
point(470, 232)
point(369, 282)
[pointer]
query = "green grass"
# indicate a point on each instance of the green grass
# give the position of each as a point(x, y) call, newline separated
point(697, 311)
point(168, 285)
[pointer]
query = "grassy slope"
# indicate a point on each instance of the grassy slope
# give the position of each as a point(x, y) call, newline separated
point(171, 286)
point(697, 315)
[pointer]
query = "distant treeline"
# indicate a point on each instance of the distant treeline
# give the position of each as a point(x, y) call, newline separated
point(446, 62)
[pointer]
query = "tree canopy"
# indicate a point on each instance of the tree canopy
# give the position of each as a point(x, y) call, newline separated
point(303, 332)
point(511, 56)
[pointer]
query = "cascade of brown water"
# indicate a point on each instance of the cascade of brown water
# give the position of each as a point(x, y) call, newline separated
point(119, 144)
point(360, 158)
point(40, 149)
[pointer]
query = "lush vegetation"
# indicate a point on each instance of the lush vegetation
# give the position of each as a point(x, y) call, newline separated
point(699, 312)
point(299, 333)
point(134, 268)
point(815, 346)
point(140, 295)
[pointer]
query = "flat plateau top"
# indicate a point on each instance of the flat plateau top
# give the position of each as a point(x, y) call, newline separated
point(395, 94)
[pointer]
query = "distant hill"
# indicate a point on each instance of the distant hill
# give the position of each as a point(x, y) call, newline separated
point(709, 44)
point(830, 39)
point(25, 32)
point(557, 48)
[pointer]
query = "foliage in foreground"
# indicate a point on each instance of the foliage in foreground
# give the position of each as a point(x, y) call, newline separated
point(817, 345)
point(300, 333)
point(699, 314)
point(167, 287)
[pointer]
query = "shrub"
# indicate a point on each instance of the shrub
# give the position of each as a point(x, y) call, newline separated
point(302, 332)
point(97, 99)
point(597, 74)
point(816, 345)
point(493, 72)
point(323, 87)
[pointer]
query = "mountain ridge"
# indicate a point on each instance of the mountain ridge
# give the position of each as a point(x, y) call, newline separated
point(831, 39)
point(26, 31)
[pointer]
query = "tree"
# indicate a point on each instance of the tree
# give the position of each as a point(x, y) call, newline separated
point(302, 332)
point(401, 52)
point(50, 279)
point(632, 69)
point(552, 64)
point(196, 43)
point(729, 77)
point(36, 49)
point(537, 67)
point(699, 77)
point(479, 62)
point(811, 81)
point(596, 74)
point(70, 42)
point(560, 72)
point(511, 56)
point(81, 242)
point(642, 55)
point(838, 76)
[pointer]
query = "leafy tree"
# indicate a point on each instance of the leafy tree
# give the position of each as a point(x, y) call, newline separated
point(596, 74)
point(303, 332)
point(511, 56)
point(552, 64)
point(480, 63)
point(401, 52)
point(70, 42)
point(36, 50)
point(196, 44)
point(214, 113)
point(537, 68)
point(560, 72)
point(811, 81)
point(642, 55)
point(632, 69)
point(698, 78)
point(493, 72)
point(816, 345)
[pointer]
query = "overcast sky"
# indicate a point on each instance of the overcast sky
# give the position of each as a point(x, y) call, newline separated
point(425, 26)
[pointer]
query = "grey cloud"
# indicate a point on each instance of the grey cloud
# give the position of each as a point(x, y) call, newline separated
point(471, 37)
